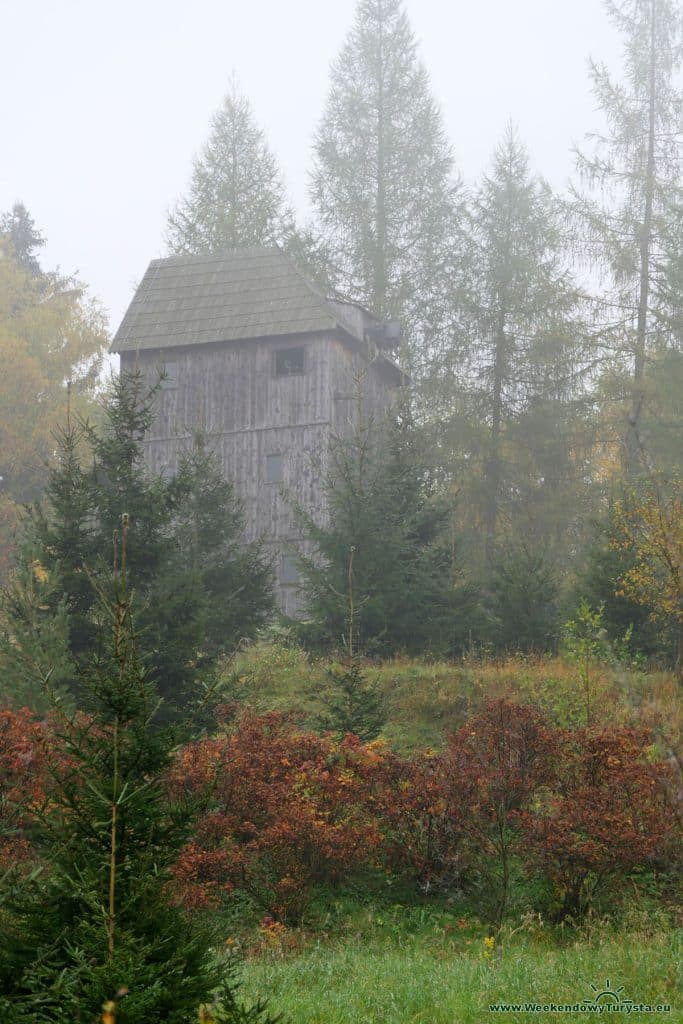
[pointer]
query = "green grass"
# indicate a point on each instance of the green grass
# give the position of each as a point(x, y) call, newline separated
point(435, 977)
point(426, 701)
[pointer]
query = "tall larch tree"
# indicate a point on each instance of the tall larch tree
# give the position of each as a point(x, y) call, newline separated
point(383, 185)
point(635, 170)
point(236, 197)
point(516, 366)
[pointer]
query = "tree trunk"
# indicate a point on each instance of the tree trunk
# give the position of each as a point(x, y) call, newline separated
point(380, 267)
point(493, 467)
point(638, 390)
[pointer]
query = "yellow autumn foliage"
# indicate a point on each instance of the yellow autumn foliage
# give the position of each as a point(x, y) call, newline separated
point(50, 333)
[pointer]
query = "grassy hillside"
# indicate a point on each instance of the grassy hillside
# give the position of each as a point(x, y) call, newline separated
point(425, 701)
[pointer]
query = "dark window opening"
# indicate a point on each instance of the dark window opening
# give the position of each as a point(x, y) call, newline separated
point(274, 469)
point(289, 570)
point(289, 361)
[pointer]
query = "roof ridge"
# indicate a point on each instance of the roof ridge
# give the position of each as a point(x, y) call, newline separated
point(179, 259)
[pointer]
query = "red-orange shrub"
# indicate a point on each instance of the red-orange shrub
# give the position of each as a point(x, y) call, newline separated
point(421, 812)
point(502, 756)
point(605, 815)
point(21, 782)
point(457, 812)
point(289, 809)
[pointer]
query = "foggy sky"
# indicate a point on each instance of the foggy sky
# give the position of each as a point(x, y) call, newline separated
point(103, 105)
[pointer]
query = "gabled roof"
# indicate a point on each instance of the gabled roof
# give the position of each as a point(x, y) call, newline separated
point(244, 293)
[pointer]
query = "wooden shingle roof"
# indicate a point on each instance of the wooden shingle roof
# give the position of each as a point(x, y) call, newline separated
point(246, 293)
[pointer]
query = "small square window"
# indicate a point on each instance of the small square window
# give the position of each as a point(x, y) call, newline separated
point(289, 362)
point(169, 376)
point(274, 468)
point(289, 570)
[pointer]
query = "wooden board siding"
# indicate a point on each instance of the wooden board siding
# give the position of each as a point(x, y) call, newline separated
point(230, 392)
point(234, 387)
point(359, 386)
point(268, 506)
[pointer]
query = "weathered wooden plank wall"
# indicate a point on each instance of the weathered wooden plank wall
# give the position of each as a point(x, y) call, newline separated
point(231, 393)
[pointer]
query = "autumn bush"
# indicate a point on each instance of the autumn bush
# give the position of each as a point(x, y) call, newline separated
point(501, 757)
point(453, 819)
point(606, 813)
point(22, 765)
point(289, 810)
point(421, 818)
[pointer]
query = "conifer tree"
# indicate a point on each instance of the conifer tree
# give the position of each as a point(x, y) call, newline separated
point(236, 197)
point(382, 185)
point(383, 576)
point(201, 589)
point(94, 928)
point(636, 165)
point(668, 283)
point(351, 702)
point(524, 592)
point(34, 637)
point(19, 228)
point(611, 566)
point(599, 584)
point(212, 589)
point(519, 358)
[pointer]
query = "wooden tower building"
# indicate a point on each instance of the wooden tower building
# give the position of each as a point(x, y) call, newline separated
point(268, 369)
